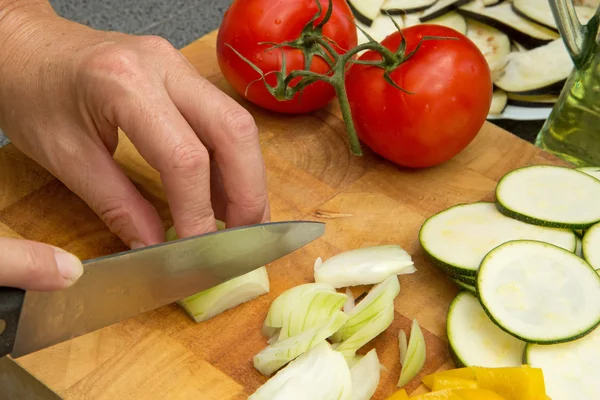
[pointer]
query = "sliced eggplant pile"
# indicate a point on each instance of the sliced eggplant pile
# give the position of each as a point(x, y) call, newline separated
point(518, 38)
point(366, 11)
point(538, 11)
point(401, 7)
point(542, 70)
point(440, 8)
point(502, 17)
point(499, 102)
point(494, 44)
point(539, 100)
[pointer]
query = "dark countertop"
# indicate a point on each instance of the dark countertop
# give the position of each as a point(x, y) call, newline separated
point(181, 22)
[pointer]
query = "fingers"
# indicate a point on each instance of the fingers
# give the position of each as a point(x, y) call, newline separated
point(229, 130)
point(31, 265)
point(166, 141)
point(92, 174)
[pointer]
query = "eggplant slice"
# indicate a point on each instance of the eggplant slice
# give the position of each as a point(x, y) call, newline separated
point(503, 18)
point(533, 101)
point(440, 8)
point(451, 20)
point(381, 28)
point(366, 11)
point(539, 11)
point(401, 7)
point(493, 43)
point(499, 102)
point(490, 3)
point(542, 70)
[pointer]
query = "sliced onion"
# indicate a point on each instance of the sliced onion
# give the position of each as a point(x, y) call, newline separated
point(211, 302)
point(279, 353)
point(319, 374)
point(364, 266)
point(379, 323)
point(415, 355)
point(365, 376)
point(300, 308)
point(403, 344)
point(349, 302)
point(379, 297)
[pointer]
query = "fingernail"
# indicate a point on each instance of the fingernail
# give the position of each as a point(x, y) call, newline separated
point(69, 266)
point(137, 245)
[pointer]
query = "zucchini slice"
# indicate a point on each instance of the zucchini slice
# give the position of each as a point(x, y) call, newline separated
point(451, 20)
point(523, 74)
point(440, 8)
point(458, 238)
point(499, 102)
point(401, 7)
point(590, 246)
point(538, 292)
point(539, 11)
point(475, 340)
point(593, 171)
point(550, 196)
point(465, 286)
point(502, 17)
point(494, 44)
point(366, 11)
point(570, 369)
point(525, 100)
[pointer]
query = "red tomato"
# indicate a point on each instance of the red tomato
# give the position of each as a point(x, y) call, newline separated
point(452, 87)
point(248, 22)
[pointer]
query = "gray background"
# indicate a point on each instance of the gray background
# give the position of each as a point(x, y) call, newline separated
point(182, 22)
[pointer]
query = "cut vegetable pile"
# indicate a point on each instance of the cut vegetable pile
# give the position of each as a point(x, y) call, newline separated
point(516, 37)
point(530, 285)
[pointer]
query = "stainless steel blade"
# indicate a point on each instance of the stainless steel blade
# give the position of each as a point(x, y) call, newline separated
point(123, 285)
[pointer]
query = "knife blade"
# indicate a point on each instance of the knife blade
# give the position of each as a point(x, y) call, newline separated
point(123, 285)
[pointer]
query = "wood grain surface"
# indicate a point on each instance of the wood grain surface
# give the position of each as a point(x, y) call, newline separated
point(311, 175)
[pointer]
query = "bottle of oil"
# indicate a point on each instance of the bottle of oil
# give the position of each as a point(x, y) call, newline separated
point(572, 130)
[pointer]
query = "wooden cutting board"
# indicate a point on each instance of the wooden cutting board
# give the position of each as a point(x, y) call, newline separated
point(311, 175)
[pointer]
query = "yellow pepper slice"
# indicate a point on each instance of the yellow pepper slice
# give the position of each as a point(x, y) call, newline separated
point(399, 395)
point(446, 394)
point(464, 373)
point(447, 382)
point(513, 383)
point(477, 394)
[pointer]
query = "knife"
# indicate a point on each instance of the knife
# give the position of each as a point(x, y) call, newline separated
point(123, 285)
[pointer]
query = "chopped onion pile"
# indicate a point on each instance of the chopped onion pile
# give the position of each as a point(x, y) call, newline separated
point(302, 319)
point(364, 266)
point(218, 299)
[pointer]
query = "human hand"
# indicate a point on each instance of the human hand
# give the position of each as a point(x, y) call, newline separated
point(65, 89)
point(32, 265)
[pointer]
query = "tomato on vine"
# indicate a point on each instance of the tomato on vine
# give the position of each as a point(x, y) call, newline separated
point(450, 87)
point(249, 24)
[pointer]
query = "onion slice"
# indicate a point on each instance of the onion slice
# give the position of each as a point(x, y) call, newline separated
point(415, 355)
point(319, 374)
point(365, 376)
point(280, 352)
point(364, 266)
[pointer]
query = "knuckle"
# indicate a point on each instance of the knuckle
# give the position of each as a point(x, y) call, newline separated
point(240, 126)
point(115, 62)
point(155, 42)
point(189, 159)
point(115, 214)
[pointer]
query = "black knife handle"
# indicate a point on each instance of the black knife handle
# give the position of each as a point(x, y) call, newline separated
point(11, 303)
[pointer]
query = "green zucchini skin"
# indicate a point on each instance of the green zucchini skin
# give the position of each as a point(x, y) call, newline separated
point(464, 286)
point(540, 222)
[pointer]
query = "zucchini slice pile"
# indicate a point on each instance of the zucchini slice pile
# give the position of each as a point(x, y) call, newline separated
point(515, 36)
point(528, 269)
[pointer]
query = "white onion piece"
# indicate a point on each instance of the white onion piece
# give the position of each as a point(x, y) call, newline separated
point(349, 302)
point(211, 302)
point(379, 323)
point(279, 353)
point(365, 376)
point(403, 344)
point(364, 266)
point(415, 355)
point(319, 374)
point(379, 297)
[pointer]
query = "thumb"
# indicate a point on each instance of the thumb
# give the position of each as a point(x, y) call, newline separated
point(32, 265)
